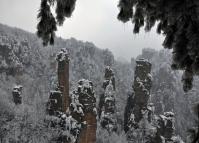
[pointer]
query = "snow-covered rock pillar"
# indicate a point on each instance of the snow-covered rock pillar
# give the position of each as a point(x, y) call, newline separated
point(17, 91)
point(107, 107)
point(142, 86)
point(165, 130)
point(137, 102)
point(138, 112)
point(54, 104)
point(63, 77)
point(83, 109)
point(108, 76)
point(88, 134)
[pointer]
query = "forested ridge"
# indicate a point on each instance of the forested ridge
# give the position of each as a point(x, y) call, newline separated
point(24, 61)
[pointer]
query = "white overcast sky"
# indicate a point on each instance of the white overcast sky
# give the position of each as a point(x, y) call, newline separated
point(93, 20)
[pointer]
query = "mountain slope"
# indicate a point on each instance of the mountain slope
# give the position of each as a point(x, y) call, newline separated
point(23, 60)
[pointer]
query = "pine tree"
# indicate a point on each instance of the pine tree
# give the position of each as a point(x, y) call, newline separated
point(48, 22)
point(178, 20)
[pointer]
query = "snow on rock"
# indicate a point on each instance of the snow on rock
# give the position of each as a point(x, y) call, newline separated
point(16, 92)
point(166, 130)
point(109, 75)
point(142, 86)
point(54, 103)
point(80, 114)
point(83, 97)
point(63, 55)
point(86, 95)
point(107, 101)
point(69, 127)
point(140, 114)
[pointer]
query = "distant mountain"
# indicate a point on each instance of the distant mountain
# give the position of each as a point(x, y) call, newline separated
point(23, 60)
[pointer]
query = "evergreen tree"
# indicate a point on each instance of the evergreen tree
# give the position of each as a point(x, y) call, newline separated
point(48, 22)
point(178, 20)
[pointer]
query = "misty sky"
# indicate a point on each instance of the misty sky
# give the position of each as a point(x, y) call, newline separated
point(93, 20)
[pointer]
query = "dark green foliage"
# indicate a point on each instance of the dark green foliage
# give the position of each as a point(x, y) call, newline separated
point(126, 11)
point(48, 23)
point(178, 20)
point(64, 9)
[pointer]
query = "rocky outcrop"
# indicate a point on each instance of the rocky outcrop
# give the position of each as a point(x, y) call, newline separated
point(108, 76)
point(166, 129)
point(107, 107)
point(138, 106)
point(17, 97)
point(141, 124)
point(54, 104)
point(83, 109)
point(59, 99)
point(69, 128)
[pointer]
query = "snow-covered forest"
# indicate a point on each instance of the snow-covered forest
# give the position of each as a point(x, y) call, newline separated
point(29, 71)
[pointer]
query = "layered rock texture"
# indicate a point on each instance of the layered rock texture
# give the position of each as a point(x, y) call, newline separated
point(63, 77)
point(137, 104)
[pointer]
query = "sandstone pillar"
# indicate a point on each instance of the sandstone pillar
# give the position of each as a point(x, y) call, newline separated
point(142, 86)
point(88, 100)
point(83, 109)
point(54, 104)
point(107, 109)
point(137, 103)
point(63, 77)
point(108, 76)
point(88, 134)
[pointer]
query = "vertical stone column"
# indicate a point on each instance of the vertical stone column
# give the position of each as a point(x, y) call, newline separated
point(137, 103)
point(108, 76)
point(54, 104)
point(107, 108)
point(142, 86)
point(63, 77)
point(138, 112)
point(88, 134)
point(165, 129)
point(83, 109)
